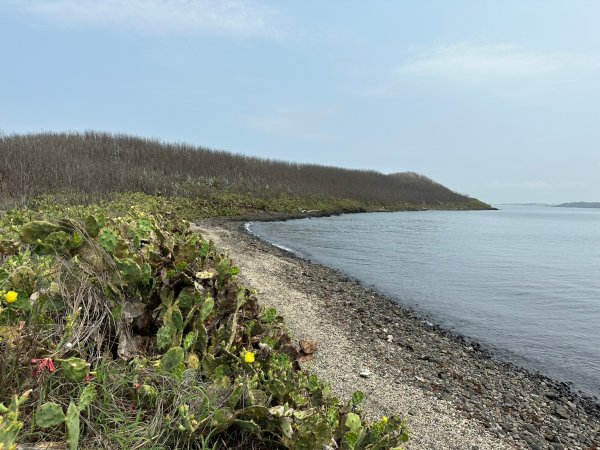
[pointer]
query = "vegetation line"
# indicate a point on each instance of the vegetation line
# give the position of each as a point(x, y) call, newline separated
point(93, 166)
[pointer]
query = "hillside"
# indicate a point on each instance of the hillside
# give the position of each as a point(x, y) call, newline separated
point(92, 166)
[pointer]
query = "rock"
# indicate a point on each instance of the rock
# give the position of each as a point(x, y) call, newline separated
point(132, 310)
point(305, 358)
point(533, 444)
point(390, 338)
point(561, 412)
point(432, 359)
point(365, 373)
point(263, 346)
point(308, 347)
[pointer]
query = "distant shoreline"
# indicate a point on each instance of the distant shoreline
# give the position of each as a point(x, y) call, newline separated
point(579, 205)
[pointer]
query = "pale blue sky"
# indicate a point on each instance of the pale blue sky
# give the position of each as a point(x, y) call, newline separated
point(496, 99)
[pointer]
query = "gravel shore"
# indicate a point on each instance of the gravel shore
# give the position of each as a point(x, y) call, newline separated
point(453, 393)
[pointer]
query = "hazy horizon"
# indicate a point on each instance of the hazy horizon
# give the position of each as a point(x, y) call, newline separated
point(499, 101)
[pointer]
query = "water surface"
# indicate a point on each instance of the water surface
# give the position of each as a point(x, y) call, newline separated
point(524, 280)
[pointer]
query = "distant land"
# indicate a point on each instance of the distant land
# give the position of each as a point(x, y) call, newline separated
point(579, 205)
point(523, 204)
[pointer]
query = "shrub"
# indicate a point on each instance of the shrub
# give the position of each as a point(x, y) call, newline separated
point(93, 166)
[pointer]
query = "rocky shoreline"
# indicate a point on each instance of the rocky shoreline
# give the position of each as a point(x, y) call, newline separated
point(506, 406)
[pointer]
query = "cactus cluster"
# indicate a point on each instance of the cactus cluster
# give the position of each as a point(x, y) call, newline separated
point(51, 414)
point(174, 314)
point(9, 421)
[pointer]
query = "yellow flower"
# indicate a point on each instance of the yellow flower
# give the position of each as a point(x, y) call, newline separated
point(11, 297)
point(249, 357)
point(384, 419)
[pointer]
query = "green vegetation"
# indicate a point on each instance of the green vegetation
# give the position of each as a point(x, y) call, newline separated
point(91, 167)
point(122, 328)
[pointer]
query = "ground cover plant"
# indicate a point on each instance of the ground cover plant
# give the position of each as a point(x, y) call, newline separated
point(122, 328)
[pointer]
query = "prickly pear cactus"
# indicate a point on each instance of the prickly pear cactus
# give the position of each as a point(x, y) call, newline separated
point(10, 425)
point(9, 246)
point(87, 397)
point(49, 415)
point(108, 240)
point(129, 271)
point(73, 428)
point(92, 226)
point(222, 419)
point(32, 231)
point(235, 365)
point(23, 279)
point(75, 369)
point(172, 359)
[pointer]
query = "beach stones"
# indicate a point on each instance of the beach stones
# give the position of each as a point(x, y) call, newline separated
point(308, 347)
point(365, 373)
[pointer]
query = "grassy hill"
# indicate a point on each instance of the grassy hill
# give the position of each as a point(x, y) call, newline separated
point(92, 166)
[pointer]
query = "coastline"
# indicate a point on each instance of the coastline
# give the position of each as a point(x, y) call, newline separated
point(453, 393)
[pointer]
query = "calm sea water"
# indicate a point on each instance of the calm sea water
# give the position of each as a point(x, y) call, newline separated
point(524, 280)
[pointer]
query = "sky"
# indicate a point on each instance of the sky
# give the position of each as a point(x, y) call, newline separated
point(499, 100)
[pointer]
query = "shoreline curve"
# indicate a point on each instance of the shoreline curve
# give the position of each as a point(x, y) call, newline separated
point(454, 393)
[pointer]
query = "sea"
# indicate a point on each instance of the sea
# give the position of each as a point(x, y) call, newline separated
point(523, 281)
